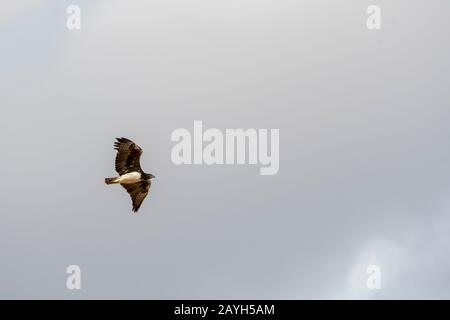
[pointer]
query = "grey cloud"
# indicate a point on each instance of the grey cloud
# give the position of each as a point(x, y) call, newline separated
point(364, 158)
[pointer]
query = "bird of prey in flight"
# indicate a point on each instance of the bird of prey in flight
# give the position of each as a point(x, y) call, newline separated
point(131, 177)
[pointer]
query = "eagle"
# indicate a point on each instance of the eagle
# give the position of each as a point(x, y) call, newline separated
point(131, 176)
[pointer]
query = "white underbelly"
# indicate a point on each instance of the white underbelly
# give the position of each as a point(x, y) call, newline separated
point(131, 177)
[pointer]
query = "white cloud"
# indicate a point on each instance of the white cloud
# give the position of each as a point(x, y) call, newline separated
point(411, 263)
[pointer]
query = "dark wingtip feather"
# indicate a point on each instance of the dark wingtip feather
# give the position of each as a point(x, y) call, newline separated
point(119, 141)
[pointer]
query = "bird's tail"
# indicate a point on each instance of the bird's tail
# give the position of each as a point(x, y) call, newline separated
point(111, 180)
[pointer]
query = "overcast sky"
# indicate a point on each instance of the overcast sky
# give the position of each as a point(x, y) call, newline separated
point(364, 149)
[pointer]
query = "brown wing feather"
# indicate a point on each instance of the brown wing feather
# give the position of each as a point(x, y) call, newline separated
point(138, 191)
point(128, 156)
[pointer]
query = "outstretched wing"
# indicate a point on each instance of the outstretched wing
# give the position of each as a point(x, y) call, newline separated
point(138, 191)
point(128, 156)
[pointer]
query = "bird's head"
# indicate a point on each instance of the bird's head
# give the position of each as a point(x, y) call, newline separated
point(147, 176)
